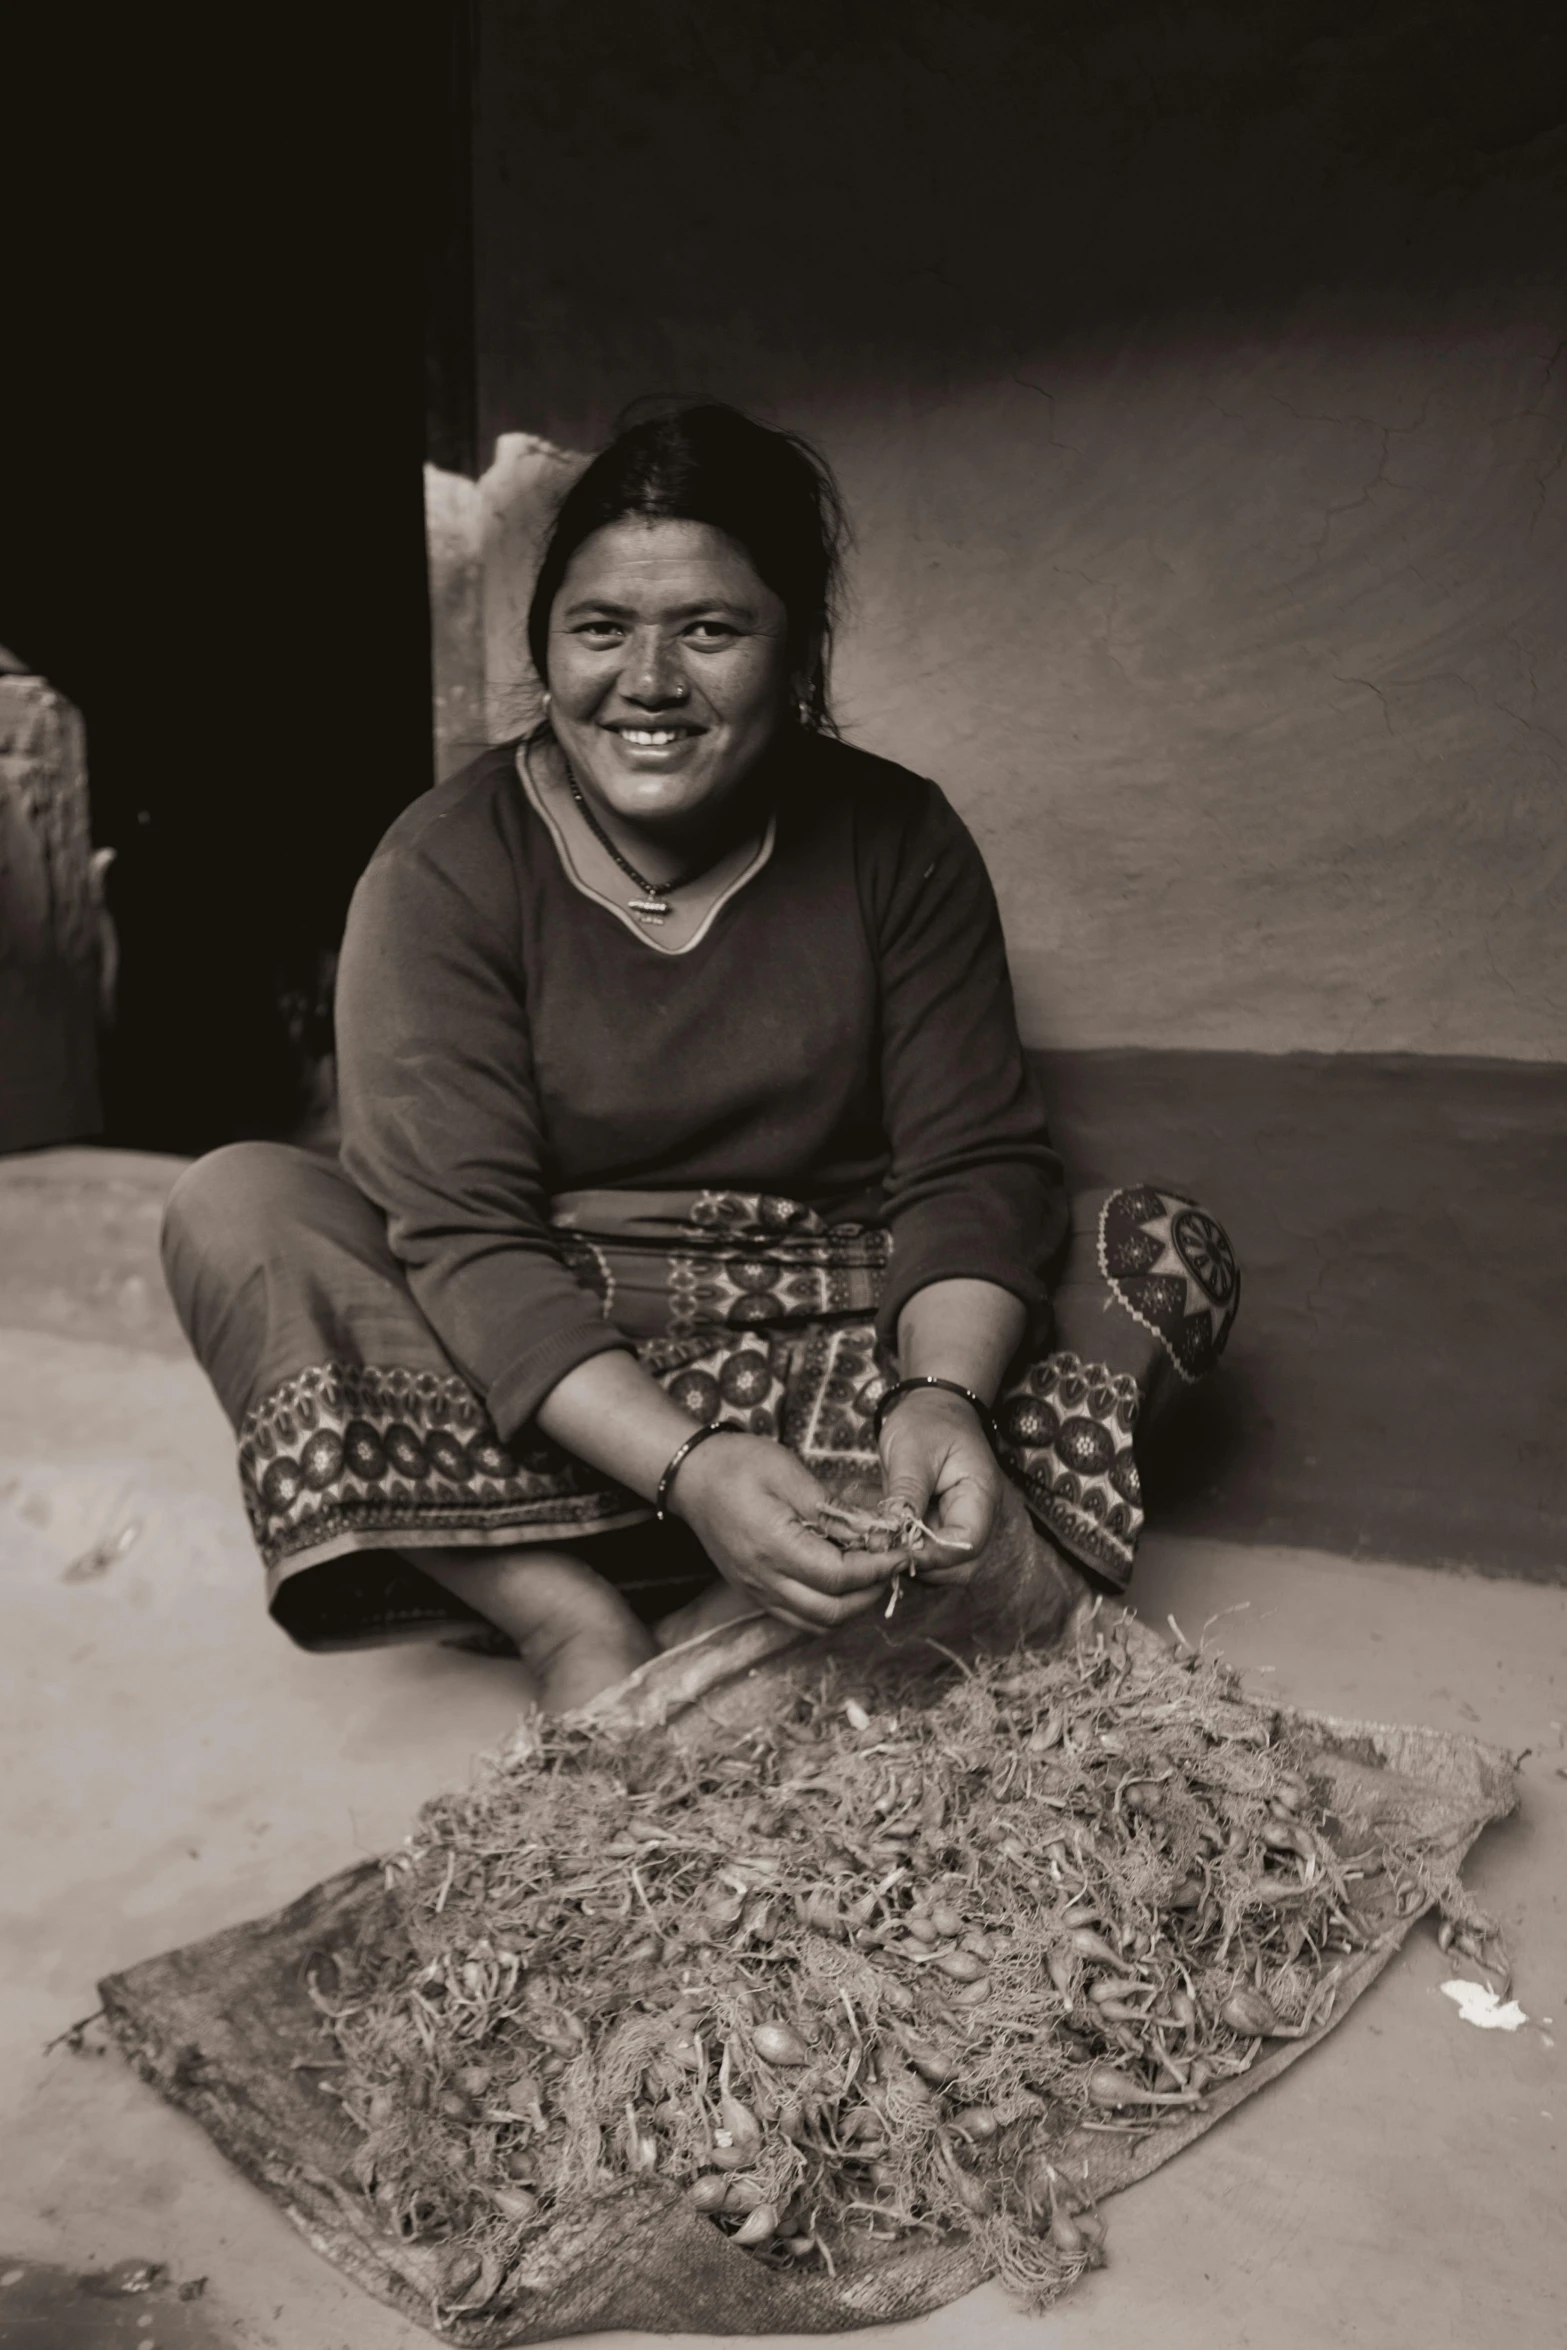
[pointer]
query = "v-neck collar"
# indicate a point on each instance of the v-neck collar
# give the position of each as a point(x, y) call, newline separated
point(640, 931)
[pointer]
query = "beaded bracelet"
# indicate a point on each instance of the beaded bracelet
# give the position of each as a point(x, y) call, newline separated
point(895, 1395)
point(696, 1437)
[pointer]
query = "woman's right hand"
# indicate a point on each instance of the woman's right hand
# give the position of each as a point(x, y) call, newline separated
point(751, 1503)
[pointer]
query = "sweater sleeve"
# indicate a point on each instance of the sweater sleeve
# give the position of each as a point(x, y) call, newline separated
point(974, 1189)
point(441, 1129)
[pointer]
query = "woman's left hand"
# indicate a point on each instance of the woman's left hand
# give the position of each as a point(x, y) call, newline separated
point(936, 1457)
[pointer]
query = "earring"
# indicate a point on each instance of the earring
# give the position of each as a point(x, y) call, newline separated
point(545, 704)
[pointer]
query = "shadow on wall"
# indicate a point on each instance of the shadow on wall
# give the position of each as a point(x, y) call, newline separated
point(1242, 646)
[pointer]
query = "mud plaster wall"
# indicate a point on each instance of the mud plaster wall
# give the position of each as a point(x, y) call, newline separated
point(1198, 382)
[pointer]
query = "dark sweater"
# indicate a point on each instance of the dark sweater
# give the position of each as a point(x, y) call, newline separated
point(843, 1035)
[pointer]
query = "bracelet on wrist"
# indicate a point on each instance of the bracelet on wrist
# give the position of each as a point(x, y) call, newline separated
point(696, 1437)
point(891, 1397)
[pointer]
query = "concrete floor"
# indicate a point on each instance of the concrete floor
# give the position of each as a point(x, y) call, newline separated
point(172, 1766)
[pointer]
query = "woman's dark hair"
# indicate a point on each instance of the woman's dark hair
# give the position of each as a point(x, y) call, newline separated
point(767, 490)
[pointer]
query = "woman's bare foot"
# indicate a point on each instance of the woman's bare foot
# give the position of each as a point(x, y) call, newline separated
point(720, 1603)
point(572, 1630)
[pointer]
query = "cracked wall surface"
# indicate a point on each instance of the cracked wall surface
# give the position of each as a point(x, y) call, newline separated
point(1200, 394)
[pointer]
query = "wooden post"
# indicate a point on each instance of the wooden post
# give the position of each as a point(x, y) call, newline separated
point(484, 540)
point(52, 928)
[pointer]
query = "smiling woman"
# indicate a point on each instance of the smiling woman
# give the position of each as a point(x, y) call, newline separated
point(669, 666)
point(682, 1096)
point(668, 660)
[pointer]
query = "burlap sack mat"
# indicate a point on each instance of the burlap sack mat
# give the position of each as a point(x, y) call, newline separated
point(225, 2029)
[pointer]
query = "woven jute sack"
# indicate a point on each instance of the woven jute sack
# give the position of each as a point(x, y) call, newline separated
point(225, 2028)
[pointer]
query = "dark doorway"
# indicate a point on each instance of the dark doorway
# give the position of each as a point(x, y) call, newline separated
point(212, 517)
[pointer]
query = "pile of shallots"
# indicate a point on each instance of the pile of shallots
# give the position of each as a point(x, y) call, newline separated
point(884, 1967)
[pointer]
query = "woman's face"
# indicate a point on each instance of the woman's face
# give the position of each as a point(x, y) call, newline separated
point(668, 668)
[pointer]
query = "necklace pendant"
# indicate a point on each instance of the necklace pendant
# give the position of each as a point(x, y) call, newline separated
point(649, 909)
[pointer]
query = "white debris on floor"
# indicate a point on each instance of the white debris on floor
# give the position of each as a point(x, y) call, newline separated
point(1478, 2004)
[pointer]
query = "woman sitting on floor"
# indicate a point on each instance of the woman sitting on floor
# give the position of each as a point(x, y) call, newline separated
point(681, 1095)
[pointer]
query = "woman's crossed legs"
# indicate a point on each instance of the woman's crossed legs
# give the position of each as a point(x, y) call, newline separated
point(577, 1636)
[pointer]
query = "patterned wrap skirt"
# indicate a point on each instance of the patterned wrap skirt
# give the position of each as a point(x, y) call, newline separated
point(359, 1443)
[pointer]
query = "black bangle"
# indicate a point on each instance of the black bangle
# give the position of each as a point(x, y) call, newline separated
point(696, 1437)
point(894, 1395)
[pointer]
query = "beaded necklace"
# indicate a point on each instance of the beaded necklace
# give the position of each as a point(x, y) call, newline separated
point(653, 905)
